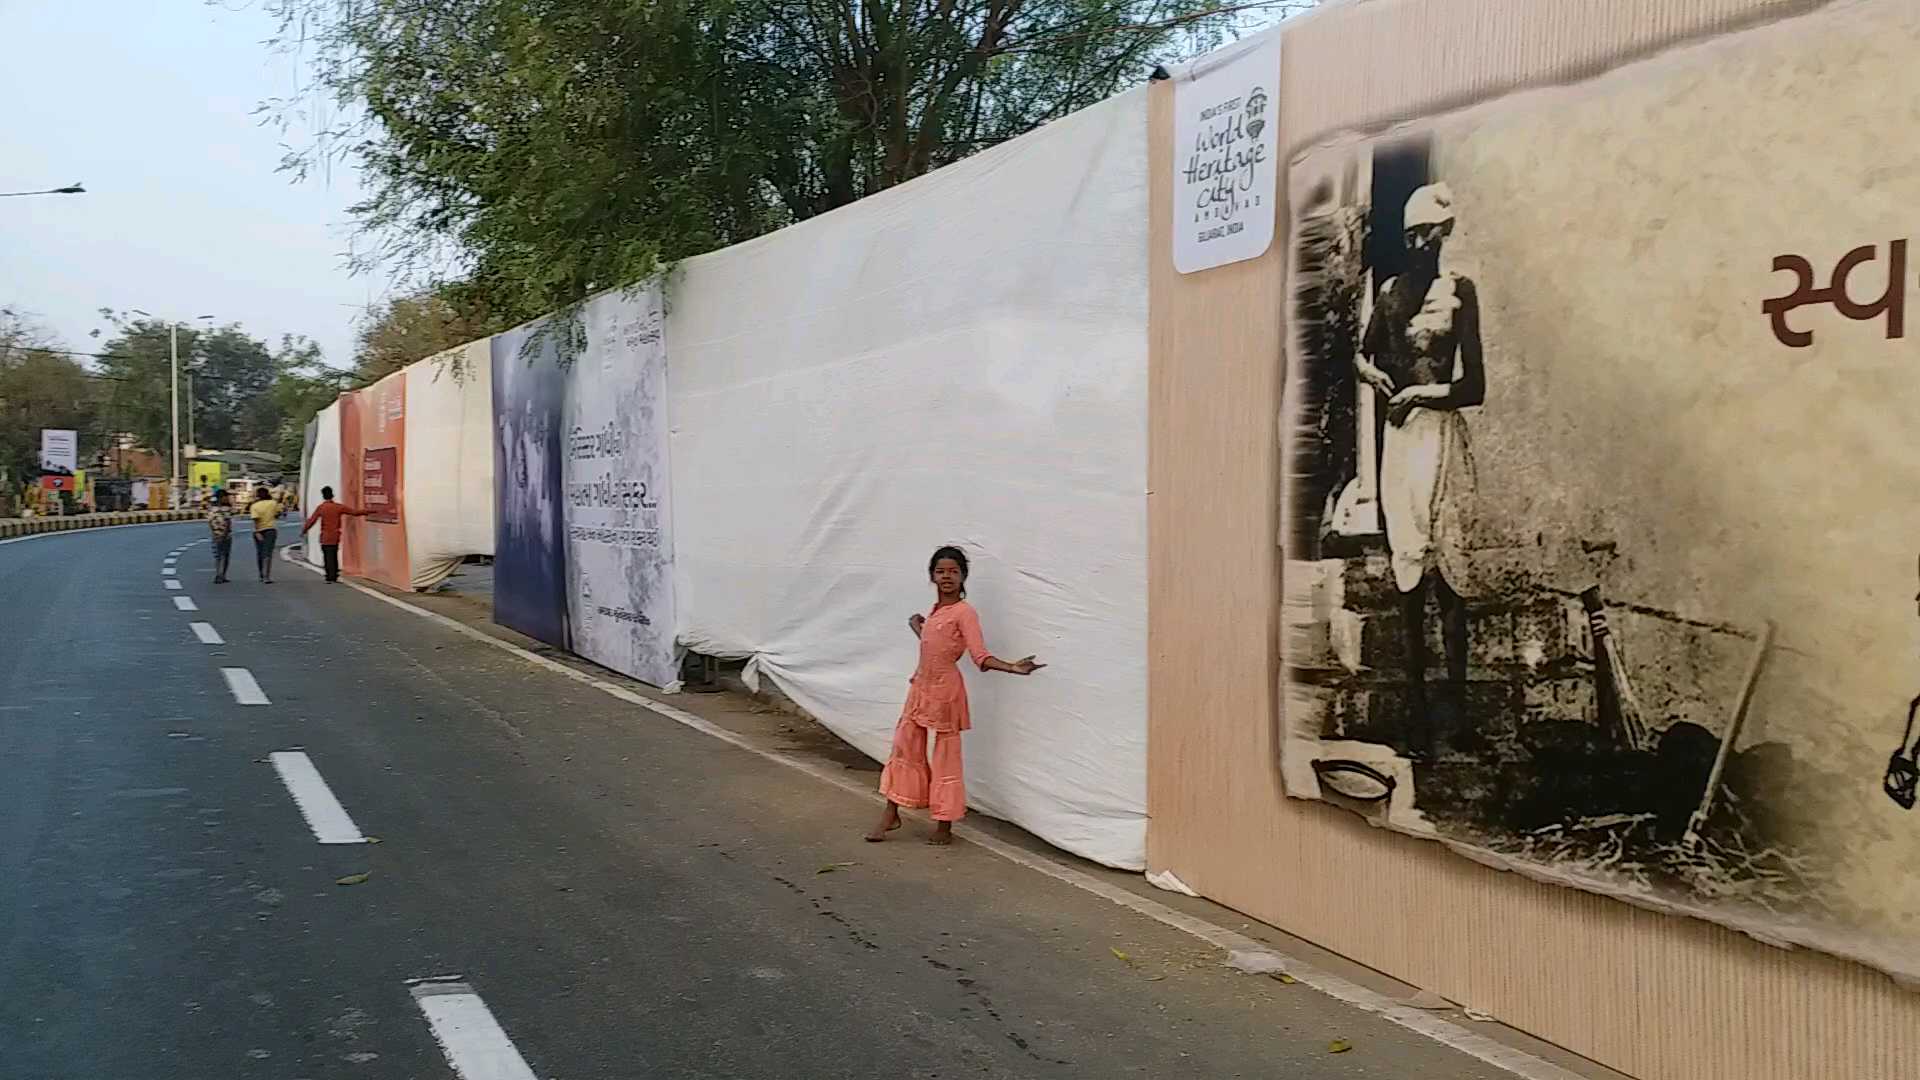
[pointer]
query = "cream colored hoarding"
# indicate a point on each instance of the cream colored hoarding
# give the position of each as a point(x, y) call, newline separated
point(1599, 503)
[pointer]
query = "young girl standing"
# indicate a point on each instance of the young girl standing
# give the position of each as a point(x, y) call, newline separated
point(937, 702)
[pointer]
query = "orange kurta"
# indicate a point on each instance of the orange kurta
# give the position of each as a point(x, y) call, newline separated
point(937, 699)
point(936, 702)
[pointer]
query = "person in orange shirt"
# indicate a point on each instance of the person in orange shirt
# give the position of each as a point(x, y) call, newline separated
point(937, 702)
point(329, 514)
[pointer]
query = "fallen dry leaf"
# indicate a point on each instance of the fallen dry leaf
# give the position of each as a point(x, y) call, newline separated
point(832, 866)
point(1339, 1046)
point(373, 840)
point(1283, 977)
point(1120, 956)
point(355, 879)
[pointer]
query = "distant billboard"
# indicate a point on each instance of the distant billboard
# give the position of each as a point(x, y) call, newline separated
point(59, 450)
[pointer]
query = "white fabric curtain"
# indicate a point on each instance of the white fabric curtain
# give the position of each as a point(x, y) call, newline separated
point(962, 359)
point(324, 472)
point(449, 467)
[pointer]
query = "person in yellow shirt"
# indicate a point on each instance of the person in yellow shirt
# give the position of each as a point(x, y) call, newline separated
point(265, 512)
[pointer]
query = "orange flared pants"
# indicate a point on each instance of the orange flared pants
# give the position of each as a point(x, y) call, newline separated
point(908, 781)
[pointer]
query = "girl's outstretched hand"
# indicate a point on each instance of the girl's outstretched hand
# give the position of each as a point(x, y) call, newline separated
point(1024, 667)
point(915, 622)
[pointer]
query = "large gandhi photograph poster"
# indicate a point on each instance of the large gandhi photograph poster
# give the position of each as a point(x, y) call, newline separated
point(1602, 482)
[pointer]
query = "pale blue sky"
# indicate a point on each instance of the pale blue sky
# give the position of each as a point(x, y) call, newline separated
point(151, 106)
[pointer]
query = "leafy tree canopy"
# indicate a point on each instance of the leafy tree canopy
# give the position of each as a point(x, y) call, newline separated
point(236, 391)
point(411, 328)
point(40, 387)
point(538, 151)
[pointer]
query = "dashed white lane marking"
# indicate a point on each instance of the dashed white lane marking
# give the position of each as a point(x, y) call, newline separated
point(324, 814)
point(185, 603)
point(168, 571)
point(207, 634)
point(171, 583)
point(246, 690)
point(468, 1034)
point(171, 559)
point(1439, 1029)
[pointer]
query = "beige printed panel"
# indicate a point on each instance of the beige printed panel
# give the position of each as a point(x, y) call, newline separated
point(1647, 993)
point(1665, 640)
point(1365, 64)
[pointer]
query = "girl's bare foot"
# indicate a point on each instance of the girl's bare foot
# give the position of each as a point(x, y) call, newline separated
point(889, 821)
point(942, 834)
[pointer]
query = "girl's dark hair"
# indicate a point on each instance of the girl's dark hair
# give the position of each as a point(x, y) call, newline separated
point(948, 551)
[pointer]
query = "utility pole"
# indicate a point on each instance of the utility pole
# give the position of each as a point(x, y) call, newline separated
point(175, 484)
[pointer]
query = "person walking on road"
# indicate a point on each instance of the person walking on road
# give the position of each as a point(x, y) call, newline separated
point(937, 702)
point(266, 514)
point(330, 514)
point(220, 524)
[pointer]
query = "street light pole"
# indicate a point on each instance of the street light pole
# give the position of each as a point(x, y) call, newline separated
point(177, 479)
point(177, 486)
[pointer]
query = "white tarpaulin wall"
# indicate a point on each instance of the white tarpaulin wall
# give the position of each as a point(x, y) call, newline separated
point(449, 505)
point(961, 359)
point(324, 472)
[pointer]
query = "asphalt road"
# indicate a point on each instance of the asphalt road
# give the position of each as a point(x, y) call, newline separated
point(628, 897)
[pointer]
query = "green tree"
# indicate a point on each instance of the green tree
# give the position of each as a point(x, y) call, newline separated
point(555, 148)
point(135, 362)
point(40, 387)
point(303, 386)
point(415, 327)
point(232, 375)
point(236, 393)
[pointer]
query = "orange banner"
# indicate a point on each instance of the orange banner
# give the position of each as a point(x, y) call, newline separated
point(373, 454)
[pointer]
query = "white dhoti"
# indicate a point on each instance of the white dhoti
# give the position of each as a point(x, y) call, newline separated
point(1426, 494)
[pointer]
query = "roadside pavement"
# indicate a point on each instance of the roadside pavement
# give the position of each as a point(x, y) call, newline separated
point(589, 888)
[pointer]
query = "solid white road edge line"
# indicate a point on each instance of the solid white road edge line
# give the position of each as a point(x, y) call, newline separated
point(246, 689)
point(325, 816)
point(468, 1034)
point(207, 634)
point(185, 603)
point(1440, 1030)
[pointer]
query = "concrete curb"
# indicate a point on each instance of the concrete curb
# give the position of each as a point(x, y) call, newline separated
point(17, 527)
